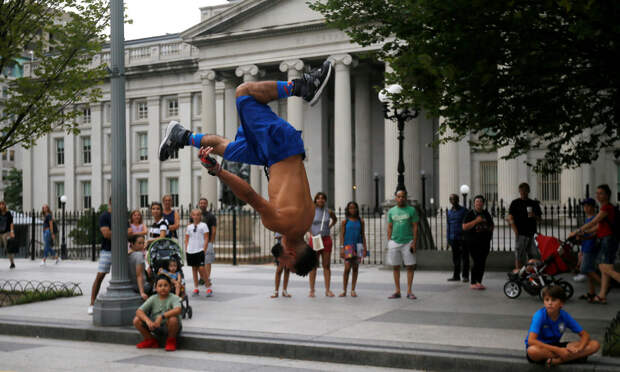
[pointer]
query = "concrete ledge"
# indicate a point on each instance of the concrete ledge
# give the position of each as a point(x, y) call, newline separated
point(358, 352)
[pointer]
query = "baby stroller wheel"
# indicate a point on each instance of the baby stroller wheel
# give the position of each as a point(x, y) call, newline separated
point(568, 288)
point(512, 289)
point(189, 312)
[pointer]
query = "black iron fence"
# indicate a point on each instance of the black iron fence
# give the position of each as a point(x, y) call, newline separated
point(241, 237)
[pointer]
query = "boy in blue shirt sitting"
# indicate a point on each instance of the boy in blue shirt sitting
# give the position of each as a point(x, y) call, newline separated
point(548, 325)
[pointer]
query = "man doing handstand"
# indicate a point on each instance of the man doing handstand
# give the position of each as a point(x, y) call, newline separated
point(266, 139)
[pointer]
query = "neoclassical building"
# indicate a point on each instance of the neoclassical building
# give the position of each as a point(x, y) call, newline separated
point(352, 151)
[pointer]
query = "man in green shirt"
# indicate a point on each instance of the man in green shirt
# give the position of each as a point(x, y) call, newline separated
point(402, 238)
point(160, 313)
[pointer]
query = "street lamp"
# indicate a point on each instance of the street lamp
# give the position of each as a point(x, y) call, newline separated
point(63, 245)
point(423, 174)
point(464, 191)
point(376, 177)
point(390, 95)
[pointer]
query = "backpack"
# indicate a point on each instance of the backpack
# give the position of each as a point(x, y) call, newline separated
point(54, 227)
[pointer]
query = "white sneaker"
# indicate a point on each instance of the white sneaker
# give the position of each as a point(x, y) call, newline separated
point(579, 278)
point(58, 260)
point(91, 308)
point(42, 263)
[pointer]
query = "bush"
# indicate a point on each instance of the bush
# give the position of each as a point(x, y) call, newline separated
point(83, 233)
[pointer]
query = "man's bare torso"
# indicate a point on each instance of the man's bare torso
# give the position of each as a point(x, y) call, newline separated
point(289, 195)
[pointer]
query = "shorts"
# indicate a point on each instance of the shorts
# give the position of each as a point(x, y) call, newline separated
point(162, 330)
point(210, 256)
point(327, 244)
point(105, 261)
point(525, 249)
point(609, 249)
point(588, 261)
point(543, 361)
point(196, 259)
point(397, 254)
point(263, 137)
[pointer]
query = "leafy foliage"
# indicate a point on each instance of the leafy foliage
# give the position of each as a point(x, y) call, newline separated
point(13, 189)
point(63, 36)
point(83, 233)
point(526, 74)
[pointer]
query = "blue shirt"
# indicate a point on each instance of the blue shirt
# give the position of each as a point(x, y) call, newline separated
point(170, 219)
point(353, 232)
point(587, 246)
point(455, 223)
point(550, 331)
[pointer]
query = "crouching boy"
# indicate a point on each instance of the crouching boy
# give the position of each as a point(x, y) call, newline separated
point(548, 325)
point(161, 315)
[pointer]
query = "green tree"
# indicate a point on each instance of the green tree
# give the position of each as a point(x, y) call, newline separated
point(63, 37)
point(528, 73)
point(83, 232)
point(13, 189)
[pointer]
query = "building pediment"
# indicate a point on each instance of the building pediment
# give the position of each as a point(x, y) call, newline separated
point(251, 18)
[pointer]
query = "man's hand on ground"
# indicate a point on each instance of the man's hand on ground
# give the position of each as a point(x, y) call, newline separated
point(212, 165)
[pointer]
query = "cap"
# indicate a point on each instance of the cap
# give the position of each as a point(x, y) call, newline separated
point(588, 201)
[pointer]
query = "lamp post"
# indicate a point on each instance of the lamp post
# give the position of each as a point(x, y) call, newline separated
point(376, 178)
point(387, 96)
point(423, 175)
point(63, 245)
point(464, 191)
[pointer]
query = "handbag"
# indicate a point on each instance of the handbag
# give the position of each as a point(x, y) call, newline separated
point(350, 251)
point(317, 240)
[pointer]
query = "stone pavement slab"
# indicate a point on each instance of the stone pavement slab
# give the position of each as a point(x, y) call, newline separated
point(447, 316)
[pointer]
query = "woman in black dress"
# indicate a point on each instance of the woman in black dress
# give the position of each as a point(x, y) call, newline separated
point(478, 231)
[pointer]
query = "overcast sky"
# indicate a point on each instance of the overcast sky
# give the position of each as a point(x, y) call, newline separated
point(159, 17)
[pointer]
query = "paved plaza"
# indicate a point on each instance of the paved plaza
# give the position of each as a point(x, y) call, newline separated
point(446, 317)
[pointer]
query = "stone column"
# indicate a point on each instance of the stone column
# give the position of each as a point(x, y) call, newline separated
point(448, 170)
point(27, 180)
point(507, 177)
point(230, 109)
point(391, 153)
point(343, 170)
point(363, 159)
point(97, 152)
point(185, 157)
point(251, 73)
point(208, 119)
point(294, 105)
point(571, 185)
point(154, 134)
point(70, 164)
point(412, 158)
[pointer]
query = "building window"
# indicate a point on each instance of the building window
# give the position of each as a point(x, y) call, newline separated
point(4, 155)
point(143, 111)
point(11, 155)
point(108, 190)
point(107, 112)
point(549, 188)
point(143, 189)
point(86, 150)
point(86, 115)
point(143, 150)
point(60, 191)
point(86, 197)
point(173, 190)
point(173, 107)
point(108, 147)
point(488, 180)
point(60, 151)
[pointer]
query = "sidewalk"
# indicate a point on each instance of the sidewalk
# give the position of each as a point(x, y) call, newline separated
point(448, 319)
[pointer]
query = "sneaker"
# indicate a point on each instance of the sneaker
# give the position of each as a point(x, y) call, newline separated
point(151, 343)
point(579, 278)
point(42, 263)
point(171, 344)
point(453, 279)
point(195, 293)
point(58, 260)
point(465, 280)
point(176, 137)
point(12, 266)
point(91, 309)
point(209, 292)
point(313, 83)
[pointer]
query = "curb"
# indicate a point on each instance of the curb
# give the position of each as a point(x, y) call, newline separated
point(425, 357)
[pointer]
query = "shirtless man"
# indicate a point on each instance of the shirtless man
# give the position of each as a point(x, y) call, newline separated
point(266, 139)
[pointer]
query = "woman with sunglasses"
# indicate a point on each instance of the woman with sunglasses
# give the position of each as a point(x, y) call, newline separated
point(196, 244)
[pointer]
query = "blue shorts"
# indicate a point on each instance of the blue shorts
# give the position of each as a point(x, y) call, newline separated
point(263, 138)
point(588, 261)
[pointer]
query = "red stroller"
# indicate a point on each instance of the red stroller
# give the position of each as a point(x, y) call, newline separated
point(557, 257)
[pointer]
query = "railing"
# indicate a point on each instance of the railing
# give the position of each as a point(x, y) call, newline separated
point(242, 238)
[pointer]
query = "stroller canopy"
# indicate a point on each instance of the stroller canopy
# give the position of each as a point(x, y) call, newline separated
point(554, 253)
point(164, 250)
